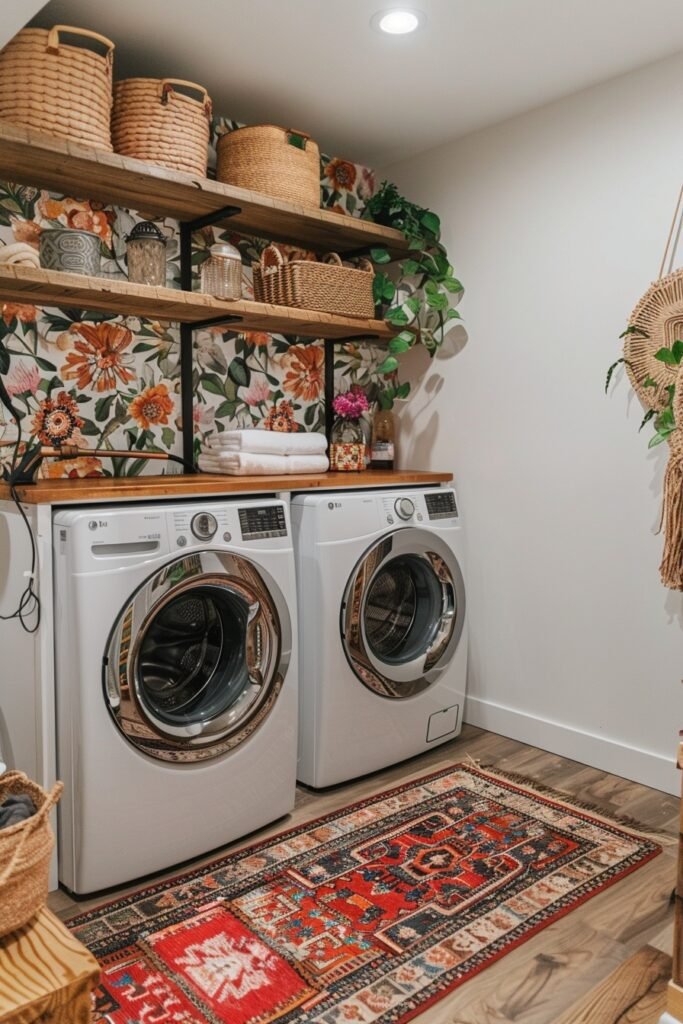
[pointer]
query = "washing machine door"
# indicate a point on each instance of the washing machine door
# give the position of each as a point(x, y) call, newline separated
point(403, 613)
point(197, 657)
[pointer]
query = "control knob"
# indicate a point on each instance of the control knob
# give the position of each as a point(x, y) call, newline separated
point(404, 508)
point(203, 525)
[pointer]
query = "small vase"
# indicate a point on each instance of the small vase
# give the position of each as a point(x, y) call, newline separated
point(347, 446)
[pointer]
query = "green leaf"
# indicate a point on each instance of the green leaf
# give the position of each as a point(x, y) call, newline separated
point(411, 267)
point(102, 407)
point(380, 256)
point(431, 223)
point(89, 429)
point(142, 346)
point(403, 390)
point(648, 382)
point(657, 439)
point(45, 364)
point(439, 302)
point(396, 316)
point(226, 410)
point(239, 372)
point(451, 284)
point(168, 438)
point(453, 314)
point(4, 359)
point(309, 415)
point(634, 330)
point(212, 384)
point(399, 344)
point(388, 365)
point(646, 418)
point(414, 304)
point(666, 356)
point(677, 351)
point(665, 420)
point(610, 372)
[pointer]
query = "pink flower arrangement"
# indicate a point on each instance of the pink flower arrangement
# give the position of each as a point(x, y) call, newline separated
point(351, 404)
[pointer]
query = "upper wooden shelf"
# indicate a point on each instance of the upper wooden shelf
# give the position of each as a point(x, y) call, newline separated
point(29, 158)
point(106, 489)
point(112, 295)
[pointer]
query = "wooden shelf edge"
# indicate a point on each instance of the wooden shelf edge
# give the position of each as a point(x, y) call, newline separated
point(41, 287)
point(97, 490)
point(30, 158)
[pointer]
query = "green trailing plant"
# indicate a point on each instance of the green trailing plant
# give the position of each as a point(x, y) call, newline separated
point(421, 292)
point(663, 420)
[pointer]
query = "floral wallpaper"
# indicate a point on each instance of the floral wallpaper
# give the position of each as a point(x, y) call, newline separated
point(113, 382)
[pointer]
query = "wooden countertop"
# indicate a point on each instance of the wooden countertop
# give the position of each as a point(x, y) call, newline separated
point(97, 490)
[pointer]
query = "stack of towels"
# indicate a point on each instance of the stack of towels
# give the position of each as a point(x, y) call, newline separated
point(264, 453)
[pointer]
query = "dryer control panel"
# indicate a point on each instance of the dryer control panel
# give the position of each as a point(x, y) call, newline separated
point(410, 508)
point(260, 521)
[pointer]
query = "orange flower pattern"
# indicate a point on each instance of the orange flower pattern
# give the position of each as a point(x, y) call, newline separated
point(151, 407)
point(305, 366)
point(99, 357)
point(100, 382)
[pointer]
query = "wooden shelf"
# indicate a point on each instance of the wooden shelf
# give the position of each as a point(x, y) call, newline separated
point(55, 288)
point(29, 158)
point(140, 488)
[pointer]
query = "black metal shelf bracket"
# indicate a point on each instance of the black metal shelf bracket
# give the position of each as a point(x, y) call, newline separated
point(187, 227)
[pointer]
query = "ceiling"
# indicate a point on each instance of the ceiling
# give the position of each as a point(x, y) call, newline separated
point(318, 66)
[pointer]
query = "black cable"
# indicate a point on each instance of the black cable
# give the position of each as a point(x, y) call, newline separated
point(29, 602)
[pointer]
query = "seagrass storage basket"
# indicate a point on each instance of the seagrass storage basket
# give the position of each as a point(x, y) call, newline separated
point(25, 851)
point(165, 121)
point(278, 162)
point(58, 87)
point(326, 286)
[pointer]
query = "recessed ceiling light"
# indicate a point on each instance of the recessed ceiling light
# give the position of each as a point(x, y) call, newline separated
point(397, 22)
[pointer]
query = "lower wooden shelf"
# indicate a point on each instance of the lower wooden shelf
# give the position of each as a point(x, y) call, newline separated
point(97, 490)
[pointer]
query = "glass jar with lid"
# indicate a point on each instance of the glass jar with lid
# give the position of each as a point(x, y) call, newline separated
point(221, 273)
point(146, 254)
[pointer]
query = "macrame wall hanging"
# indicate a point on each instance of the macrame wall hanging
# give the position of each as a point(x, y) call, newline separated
point(656, 324)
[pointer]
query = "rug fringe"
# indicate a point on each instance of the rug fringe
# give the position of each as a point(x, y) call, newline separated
point(623, 820)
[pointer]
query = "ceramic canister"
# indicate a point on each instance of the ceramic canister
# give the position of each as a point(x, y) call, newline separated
point(77, 252)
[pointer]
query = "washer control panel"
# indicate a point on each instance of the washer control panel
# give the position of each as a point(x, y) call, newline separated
point(260, 521)
point(204, 525)
point(441, 505)
point(405, 508)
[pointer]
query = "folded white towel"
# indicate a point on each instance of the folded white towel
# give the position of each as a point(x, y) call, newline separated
point(255, 464)
point(268, 442)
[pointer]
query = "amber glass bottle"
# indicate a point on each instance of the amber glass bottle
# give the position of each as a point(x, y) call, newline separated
point(383, 448)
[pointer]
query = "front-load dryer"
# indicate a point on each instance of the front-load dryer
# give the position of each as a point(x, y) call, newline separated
point(176, 681)
point(382, 628)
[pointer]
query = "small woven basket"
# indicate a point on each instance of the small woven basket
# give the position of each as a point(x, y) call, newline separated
point(327, 287)
point(278, 162)
point(165, 121)
point(25, 852)
point(59, 88)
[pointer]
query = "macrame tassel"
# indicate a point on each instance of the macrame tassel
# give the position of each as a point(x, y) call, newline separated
point(671, 569)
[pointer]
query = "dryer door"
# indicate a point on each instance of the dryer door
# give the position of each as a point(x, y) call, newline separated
point(197, 657)
point(403, 613)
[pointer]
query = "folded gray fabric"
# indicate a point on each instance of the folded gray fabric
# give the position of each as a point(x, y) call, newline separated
point(15, 809)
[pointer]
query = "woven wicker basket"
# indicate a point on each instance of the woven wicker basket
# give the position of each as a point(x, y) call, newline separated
point(25, 851)
point(328, 287)
point(155, 120)
point(58, 88)
point(278, 162)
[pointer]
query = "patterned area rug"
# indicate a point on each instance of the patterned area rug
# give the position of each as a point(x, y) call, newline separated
point(368, 915)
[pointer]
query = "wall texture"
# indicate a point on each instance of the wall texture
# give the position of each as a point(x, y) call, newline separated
point(556, 221)
point(98, 381)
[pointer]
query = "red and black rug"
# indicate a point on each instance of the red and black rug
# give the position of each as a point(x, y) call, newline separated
point(367, 915)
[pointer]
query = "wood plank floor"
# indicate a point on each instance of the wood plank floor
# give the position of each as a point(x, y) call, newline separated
point(605, 963)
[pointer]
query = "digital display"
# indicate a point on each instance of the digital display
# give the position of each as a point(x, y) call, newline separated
point(263, 521)
point(441, 505)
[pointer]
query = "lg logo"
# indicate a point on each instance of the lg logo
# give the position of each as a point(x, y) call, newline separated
point(334, 504)
point(94, 523)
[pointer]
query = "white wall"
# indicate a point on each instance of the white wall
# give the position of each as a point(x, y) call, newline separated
point(556, 222)
point(14, 14)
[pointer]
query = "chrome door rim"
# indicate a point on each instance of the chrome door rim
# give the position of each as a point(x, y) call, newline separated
point(400, 681)
point(267, 652)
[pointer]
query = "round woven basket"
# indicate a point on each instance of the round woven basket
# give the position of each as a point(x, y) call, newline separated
point(56, 87)
point(25, 852)
point(165, 121)
point(658, 322)
point(278, 162)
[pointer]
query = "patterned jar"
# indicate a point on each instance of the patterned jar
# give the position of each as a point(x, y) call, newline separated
point(70, 250)
point(347, 446)
point(146, 254)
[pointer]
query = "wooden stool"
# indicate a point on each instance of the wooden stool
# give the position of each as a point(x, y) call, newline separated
point(45, 974)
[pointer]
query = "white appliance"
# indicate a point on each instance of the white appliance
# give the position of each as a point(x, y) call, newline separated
point(176, 680)
point(382, 628)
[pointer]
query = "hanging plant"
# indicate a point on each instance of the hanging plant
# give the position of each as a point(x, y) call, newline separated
point(422, 292)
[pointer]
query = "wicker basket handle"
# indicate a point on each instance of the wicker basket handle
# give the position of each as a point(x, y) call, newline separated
point(366, 266)
point(304, 136)
point(31, 823)
point(332, 257)
point(167, 89)
point(271, 259)
point(53, 39)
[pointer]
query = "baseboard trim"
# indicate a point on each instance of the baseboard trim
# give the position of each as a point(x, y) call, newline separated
point(608, 755)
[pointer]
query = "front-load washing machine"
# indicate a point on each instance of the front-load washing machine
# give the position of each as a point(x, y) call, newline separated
point(176, 682)
point(382, 628)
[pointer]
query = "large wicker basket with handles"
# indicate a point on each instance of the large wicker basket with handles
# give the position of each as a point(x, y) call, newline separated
point(25, 852)
point(55, 82)
point(326, 286)
point(278, 162)
point(163, 120)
